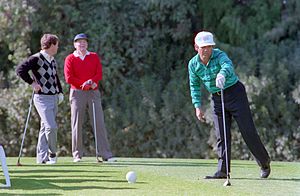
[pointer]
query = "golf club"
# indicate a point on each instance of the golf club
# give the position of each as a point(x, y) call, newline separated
point(26, 124)
point(95, 131)
point(226, 183)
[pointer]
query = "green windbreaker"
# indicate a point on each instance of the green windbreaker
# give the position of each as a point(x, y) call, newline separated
point(206, 74)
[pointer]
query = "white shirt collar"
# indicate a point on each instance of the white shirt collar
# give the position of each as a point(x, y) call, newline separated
point(47, 56)
point(76, 54)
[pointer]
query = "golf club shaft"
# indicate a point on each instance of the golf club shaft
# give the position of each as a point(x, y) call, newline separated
point(95, 128)
point(225, 135)
point(26, 124)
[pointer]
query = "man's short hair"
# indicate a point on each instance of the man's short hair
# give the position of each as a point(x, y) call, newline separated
point(47, 40)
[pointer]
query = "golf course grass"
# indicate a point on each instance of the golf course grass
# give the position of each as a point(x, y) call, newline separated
point(154, 177)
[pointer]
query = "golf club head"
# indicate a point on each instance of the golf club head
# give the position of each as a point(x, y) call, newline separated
point(227, 183)
point(19, 164)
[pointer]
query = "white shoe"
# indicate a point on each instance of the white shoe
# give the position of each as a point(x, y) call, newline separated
point(5, 185)
point(76, 160)
point(52, 160)
point(111, 160)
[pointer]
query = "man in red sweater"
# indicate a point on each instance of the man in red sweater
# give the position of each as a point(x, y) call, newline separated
point(83, 71)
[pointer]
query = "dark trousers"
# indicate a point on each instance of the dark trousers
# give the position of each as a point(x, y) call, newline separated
point(236, 106)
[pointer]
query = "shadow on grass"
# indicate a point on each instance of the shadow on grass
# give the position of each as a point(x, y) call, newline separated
point(47, 194)
point(123, 164)
point(48, 170)
point(146, 162)
point(34, 184)
point(163, 164)
point(61, 164)
point(271, 179)
point(176, 164)
point(61, 176)
point(119, 164)
point(44, 174)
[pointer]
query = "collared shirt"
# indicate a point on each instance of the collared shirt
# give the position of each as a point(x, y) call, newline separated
point(206, 74)
point(76, 54)
point(47, 56)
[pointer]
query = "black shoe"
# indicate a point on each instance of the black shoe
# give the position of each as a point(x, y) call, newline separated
point(111, 159)
point(217, 175)
point(265, 171)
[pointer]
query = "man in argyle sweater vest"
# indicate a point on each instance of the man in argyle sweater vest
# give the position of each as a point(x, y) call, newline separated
point(47, 94)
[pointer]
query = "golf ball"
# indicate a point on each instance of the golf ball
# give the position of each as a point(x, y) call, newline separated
point(131, 177)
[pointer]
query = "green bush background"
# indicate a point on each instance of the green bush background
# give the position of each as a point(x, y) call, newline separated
point(145, 46)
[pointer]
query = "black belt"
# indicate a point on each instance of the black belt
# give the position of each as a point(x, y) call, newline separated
point(217, 93)
point(227, 89)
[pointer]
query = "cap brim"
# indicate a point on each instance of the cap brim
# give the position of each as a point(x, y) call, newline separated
point(79, 39)
point(205, 44)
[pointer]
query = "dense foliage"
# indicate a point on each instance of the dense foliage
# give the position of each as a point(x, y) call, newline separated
point(145, 46)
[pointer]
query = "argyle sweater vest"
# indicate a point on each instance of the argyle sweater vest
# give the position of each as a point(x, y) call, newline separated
point(44, 73)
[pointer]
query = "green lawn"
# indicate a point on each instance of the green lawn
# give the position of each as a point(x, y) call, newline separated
point(155, 177)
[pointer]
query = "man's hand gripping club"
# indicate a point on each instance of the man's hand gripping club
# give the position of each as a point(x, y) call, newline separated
point(89, 84)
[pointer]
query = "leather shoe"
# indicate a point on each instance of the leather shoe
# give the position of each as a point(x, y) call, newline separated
point(265, 171)
point(110, 160)
point(217, 175)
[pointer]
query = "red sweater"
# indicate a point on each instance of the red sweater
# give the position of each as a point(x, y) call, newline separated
point(78, 71)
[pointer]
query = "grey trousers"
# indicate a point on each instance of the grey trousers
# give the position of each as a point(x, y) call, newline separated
point(79, 101)
point(46, 106)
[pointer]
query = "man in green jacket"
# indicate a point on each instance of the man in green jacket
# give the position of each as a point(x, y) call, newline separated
point(214, 69)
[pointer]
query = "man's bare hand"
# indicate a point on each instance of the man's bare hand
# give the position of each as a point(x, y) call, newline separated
point(86, 85)
point(200, 115)
point(36, 87)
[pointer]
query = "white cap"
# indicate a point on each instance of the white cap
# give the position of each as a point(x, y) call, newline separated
point(204, 38)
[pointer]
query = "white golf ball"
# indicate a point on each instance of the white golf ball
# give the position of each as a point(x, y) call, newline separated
point(131, 177)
